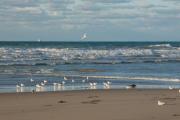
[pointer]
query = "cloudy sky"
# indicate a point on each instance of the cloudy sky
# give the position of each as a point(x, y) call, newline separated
point(102, 20)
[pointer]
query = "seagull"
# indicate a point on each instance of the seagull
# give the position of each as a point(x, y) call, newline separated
point(87, 78)
point(65, 78)
point(17, 86)
point(108, 82)
point(83, 81)
point(22, 85)
point(63, 82)
point(45, 81)
point(73, 81)
point(94, 84)
point(31, 80)
point(42, 83)
point(160, 103)
point(54, 84)
point(38, 86)
point(91, 84)
point(179, 90)
point(171, 88)
point(84, 36)
point(130, 86)
point(60, 84)
point(106, 85)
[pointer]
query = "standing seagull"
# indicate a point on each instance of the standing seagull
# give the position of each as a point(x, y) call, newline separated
point(31, 80)
point(171, 88)
point(161, 103)
point(84, 36)
point(65, 78)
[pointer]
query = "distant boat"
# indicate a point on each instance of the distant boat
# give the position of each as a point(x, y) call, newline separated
point(39, 40)
point(84, 36)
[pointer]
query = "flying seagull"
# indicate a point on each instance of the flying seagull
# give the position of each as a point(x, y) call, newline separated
point(84, 36)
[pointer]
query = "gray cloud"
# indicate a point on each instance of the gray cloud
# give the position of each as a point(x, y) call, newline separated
point(80, 14)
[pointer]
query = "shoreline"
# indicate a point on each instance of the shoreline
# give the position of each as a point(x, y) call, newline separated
point(110, 104)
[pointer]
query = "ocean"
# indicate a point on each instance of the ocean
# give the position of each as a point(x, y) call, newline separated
point(77, 65)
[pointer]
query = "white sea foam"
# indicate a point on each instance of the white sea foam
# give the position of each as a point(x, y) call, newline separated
point(138, 78)
point(160, 45)
point(68, 54)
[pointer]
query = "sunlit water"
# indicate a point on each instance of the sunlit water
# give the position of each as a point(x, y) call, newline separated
point(146, 64)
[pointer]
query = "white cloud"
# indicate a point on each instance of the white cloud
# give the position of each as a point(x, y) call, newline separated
point(75, 14)
point(31, 10)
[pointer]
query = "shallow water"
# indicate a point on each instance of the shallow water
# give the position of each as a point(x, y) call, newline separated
point(146, 64)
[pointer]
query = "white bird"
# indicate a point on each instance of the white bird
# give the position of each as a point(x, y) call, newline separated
point(45, 81)
point(65, 78)
point(83, 81)
point(73, 81)
point(108, 82)
point(31, 80)
point(91, 84)
point(38, 86)
point(87, 78)
point(84, 36)
point(17, 86)
point(60, 84)
point(54, 84)
point(94, 84)
point(63, 82)
point(22, 85)
point(128, 87)
point(171, 88)
point(131, 86)
point(42, 83)
point(106, 85)
point(160, 103)
point(179, 90)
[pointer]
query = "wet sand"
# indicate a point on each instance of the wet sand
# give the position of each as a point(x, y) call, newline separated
point(91, 105)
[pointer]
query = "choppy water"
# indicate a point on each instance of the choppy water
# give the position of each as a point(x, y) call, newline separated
point(146, 64)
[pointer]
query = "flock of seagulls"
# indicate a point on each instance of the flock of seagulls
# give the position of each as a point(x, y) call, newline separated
point(39, 86)
point(92, 85)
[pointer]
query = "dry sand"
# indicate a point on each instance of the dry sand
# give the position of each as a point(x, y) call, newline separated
point(91, 105)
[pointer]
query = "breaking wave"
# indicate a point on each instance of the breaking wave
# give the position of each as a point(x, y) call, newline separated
point(51, 56)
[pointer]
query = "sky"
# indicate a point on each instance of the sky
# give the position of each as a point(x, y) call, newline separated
point(102, 20)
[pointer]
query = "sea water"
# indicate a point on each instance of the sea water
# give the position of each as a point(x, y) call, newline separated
point(147, 64)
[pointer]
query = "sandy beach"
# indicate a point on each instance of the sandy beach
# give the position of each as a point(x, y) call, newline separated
point(91, 104)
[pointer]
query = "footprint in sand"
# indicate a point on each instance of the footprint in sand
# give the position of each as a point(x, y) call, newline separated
point(93, 96)
point(168, 98)
point(91, 102)
point(62, 101)
point(48, 105)
point(176, 115)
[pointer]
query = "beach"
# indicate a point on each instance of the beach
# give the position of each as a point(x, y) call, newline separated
point(133, 104)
